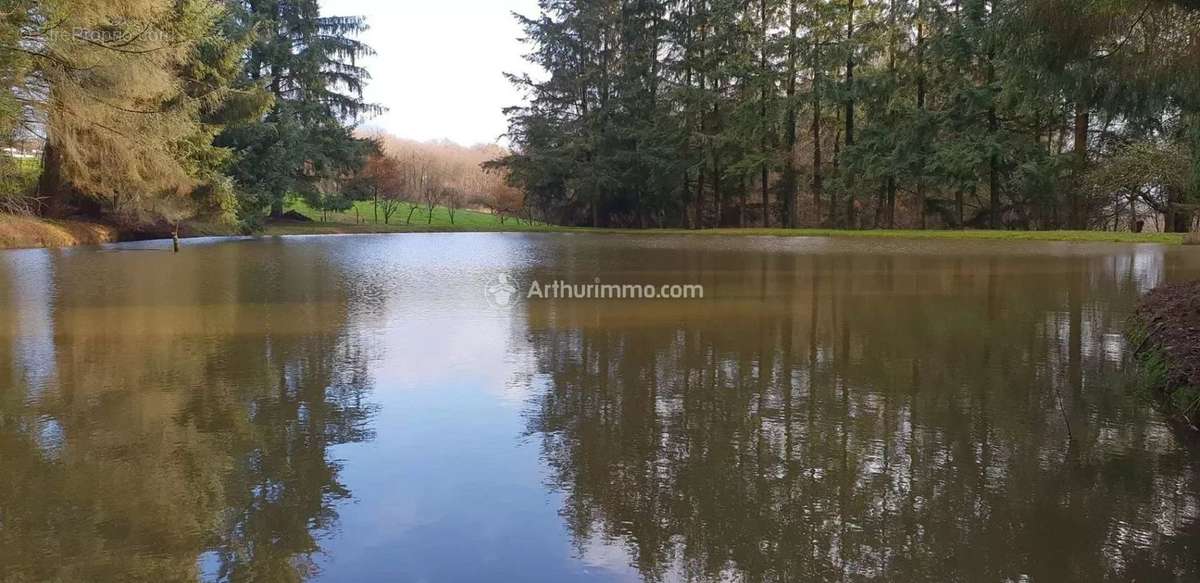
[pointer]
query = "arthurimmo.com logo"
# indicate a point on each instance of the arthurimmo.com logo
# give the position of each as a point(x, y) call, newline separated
point(503, 291)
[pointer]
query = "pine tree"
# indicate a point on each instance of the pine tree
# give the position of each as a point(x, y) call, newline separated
point(117, 89)
point(309, 64)
point(980, 113)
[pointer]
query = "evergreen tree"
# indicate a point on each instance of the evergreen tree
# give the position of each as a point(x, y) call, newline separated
point(955, 113)
point(309, 65)
point(120, 92)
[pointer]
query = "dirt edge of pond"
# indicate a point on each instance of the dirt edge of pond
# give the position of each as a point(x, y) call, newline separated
point(18, 232)
point(26, 232)
point(1166, 334)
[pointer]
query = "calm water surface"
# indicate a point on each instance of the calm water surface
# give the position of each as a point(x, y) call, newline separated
point(355, 409)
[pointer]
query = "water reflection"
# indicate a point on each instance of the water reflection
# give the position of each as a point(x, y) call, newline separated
point(899, 416)
point(163, 420)
point(835, 410)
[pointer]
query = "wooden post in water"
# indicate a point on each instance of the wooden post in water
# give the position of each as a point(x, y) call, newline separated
point(175, 239)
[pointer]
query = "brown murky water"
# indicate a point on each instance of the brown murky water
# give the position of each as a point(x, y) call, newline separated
point(360, 409)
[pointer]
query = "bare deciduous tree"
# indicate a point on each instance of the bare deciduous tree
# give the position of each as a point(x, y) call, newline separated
point(445, 174)
point(381, 179)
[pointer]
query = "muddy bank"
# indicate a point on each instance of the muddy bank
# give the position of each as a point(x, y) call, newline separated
point(23, 232)
point(17, 232)
point(1167, 339)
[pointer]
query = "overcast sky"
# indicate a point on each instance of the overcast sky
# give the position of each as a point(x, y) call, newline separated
point(440, 65)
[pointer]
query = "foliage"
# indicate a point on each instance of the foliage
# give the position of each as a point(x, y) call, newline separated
point(437, 174)
point(108, 85)
point(15, 186)
point(309, 65)
point(968, 113)
point(381, 181)
point(18, 180)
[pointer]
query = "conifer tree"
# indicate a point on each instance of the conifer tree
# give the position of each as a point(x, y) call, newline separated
point(309, 63)
point(119, 93)
point(956, 113)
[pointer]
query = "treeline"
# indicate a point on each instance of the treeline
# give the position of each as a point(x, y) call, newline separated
point(161, 110)
point(424, 176)
point(1037, 114)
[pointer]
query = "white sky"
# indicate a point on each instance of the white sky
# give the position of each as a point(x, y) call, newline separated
point(440, 65)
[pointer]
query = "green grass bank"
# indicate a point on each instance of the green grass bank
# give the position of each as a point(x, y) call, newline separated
point(25, 232)
point(360, 220)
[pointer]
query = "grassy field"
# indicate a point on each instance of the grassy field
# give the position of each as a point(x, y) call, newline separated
point(470, 221)
point(464, 219)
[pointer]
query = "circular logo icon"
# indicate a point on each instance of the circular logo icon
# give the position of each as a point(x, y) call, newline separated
point(502, 292)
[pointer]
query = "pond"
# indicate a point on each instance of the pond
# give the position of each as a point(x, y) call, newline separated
point(377, 408)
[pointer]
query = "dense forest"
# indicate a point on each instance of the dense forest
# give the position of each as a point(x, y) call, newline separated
point(163, 110)
point(1032, 114)
point(1040, 114)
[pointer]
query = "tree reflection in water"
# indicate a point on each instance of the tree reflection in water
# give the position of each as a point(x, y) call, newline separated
point(832, 411)
point(174, 411)
point(868, 418)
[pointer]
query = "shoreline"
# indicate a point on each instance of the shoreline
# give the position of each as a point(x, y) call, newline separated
point(285, 228)
point(1166, 335)
point(17, 232)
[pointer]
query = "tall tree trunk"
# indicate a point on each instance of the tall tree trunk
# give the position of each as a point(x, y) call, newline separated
point(742, 204)
point(994, 187)
point(850, 106)
point(835, 207)
point(690, 217)
point(716, 156)
point(993, 128)
point(921, 221)
point(703, 83)
point(763, 139)
point(789, 170)
point(716, 187)
point(890, 188)
point(893, 46)
point(960, 208)
point(53, 190)
point(881, 206)
point(818, 178)
point(1177, 219)
point(1082, 122)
